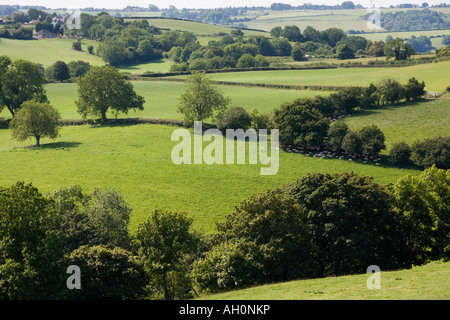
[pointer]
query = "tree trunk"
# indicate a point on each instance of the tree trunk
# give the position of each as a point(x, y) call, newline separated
point(103, 115)
point(38, 140)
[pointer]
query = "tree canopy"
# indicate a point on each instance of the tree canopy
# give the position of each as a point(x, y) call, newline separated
point(103, 88)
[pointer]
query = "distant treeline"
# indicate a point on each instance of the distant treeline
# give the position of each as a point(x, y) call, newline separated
point(413, 20)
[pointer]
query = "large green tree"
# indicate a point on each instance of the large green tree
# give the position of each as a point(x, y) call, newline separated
point(31, 250)
point(164, 243)
point(103, 88)
point(398, 49)
point(424, 201)
point(20, 81)
point(201, 99)
point(36, 120)
point(107, 274)
point(352, 220)
point(301, 124)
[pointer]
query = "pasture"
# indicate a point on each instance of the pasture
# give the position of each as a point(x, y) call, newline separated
point(197, 28)
point(162, 98)
point(428, 282)
point(48, 51)
point(435, 76)
point(408, 121)
point(136, 161)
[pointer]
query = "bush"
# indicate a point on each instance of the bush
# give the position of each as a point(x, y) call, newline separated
point(76, 45)
point(246, 61)
point(414, 89)
point(297, 53)
point(352, 144)
point(234, 118)
point(90, 49)
point(301, 124)
point(400, 153)
point(336, 133)
point(345, 52)
point(372, 140)
point(435, 151)
point(260, 121)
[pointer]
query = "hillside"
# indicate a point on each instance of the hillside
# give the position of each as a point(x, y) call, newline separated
point(428, 282)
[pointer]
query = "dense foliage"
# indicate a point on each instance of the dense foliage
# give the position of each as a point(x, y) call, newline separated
point(412, 20)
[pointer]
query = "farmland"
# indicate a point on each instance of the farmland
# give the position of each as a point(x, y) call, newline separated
point(135, 160)
point(434, 75)
point(162, 98)
point(429, 282)
point(325, 225)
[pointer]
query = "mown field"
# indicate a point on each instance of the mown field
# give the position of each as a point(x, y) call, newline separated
point(136, 161)
point(428, 282)
point(435, 76)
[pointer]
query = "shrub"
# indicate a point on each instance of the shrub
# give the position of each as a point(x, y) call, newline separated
point(336, 134)
point(352, 144)
point(297, 53)
point(436, 151)
point(345, 52)
point(372, 140)
point(90, 49)
point(414, 89)
point(400, 153)
point(301, 124)
point(260, 121)
point(234, 118)
point(76, 45)
point(246, 61)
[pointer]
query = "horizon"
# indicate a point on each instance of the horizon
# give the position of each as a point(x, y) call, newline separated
point(202, 4)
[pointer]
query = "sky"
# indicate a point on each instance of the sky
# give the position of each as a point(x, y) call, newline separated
point(118, 4)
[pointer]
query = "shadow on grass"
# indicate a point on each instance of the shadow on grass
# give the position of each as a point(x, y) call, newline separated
point(125, 122)
point(367, 112)
point(138, 66)
point(59, 145)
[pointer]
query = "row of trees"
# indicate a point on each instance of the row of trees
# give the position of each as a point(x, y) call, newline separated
point(321, 225)
point(306, 122)
point(425, 153)
point(413, 20)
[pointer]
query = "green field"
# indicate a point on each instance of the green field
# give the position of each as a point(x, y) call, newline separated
point(197, 28)
point(136, 160)
point(319, 19)
point(435, 75)
point(428, 282)
point(407, 122)
point(162, 98)
point(48, 51)
point(436, 42)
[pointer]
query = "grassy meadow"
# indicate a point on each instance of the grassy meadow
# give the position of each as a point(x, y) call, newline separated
point(48, 51)
point(435, 76)
point(428, 282)
point(162, 98)
point(408, 121)
point(136, 161)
